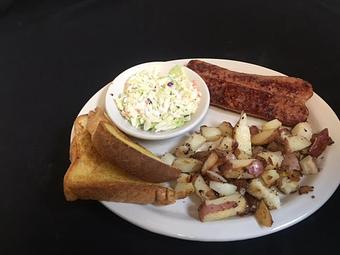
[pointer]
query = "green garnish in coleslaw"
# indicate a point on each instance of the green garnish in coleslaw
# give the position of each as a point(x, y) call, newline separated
point(158, 103)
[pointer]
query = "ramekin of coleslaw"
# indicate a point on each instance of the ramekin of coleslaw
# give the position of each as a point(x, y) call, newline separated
point(157, 100)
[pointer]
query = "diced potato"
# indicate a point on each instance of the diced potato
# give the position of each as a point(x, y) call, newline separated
point(201, 155)
point(226, 128)
point(320, 142)
point(242, 136)
point(254, 130)
point(287, 185)
point(273, 159)
point(195, 141)
point(290, 162)
point(273, 124)
point(168, 158)
point(283, 133)
point(308, 165)
point(210, 162)
point(182, 152)
point(264, 137)
point(239, 173)
point(187, 165)
point(303, 129)
point(252, 202)
point(202, 189)
point(296, 143)
point(211, 133)
point(269, 177)
point(184, 178)
point(241, 169)
point(241, 154)
point(256, 168)
point(224, 189)
point(222, 207)
point(208, 146)
point(214, 176)
point(226, 144)
point(241, 163)
point(183, 189)
point(260, 191)
point(275, 146)
point(263, 215)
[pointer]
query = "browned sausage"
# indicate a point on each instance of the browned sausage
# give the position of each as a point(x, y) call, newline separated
point(265, 97)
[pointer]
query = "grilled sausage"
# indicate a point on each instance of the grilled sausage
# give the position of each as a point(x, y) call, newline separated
point(265, 97)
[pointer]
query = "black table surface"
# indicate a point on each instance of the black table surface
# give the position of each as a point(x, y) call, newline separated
point(54, 55)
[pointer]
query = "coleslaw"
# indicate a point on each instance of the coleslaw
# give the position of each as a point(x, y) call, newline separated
point(155, 102)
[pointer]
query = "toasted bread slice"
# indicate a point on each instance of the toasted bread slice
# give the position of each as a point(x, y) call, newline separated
point(91, 177)
point(120, 150)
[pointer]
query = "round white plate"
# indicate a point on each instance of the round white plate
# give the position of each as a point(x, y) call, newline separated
point(180, 219)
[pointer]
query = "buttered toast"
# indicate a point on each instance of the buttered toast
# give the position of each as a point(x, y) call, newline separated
point(120, 150)
point(91, 177)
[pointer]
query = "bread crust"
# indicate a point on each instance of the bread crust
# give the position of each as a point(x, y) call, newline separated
point(130, 159)
point(83, 155)
point(122, 192)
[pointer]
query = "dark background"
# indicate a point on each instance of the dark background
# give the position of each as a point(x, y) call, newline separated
point(54, 55)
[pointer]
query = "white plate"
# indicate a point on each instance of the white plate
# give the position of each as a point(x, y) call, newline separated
point(179, 220)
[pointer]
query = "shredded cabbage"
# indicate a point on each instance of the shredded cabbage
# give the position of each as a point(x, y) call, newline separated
point(158, 103)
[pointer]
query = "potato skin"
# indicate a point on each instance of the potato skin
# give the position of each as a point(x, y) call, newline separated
point(129, 159)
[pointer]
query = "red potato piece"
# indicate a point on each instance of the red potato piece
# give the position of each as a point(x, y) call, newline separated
point(209, 163)
point(201, 155)
point(238, 173)
point(223, 189)
point(270, 177)
point(241, 184)
point(308, 165)
point(264, 137)
point(184, 178)
point(319, 143)
point(271, 159)
point(290, 162)
point(209, 146)
point(213, 176)
point(226, 128)
point(271, 197)
point(222, 207)
point(228, 171)
point(224, 155)
point(257, 149)
point(211, 133)
point(255, 168)
point(263, 215)
point(287, 185)
point(273, 124)
point(295, 143)
point(227, 144)
point(187, 165)
point(275, 146)
point(242, 137)
point(254, 130)
point(183, 189)
point(252, 203)
point(202, 189)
